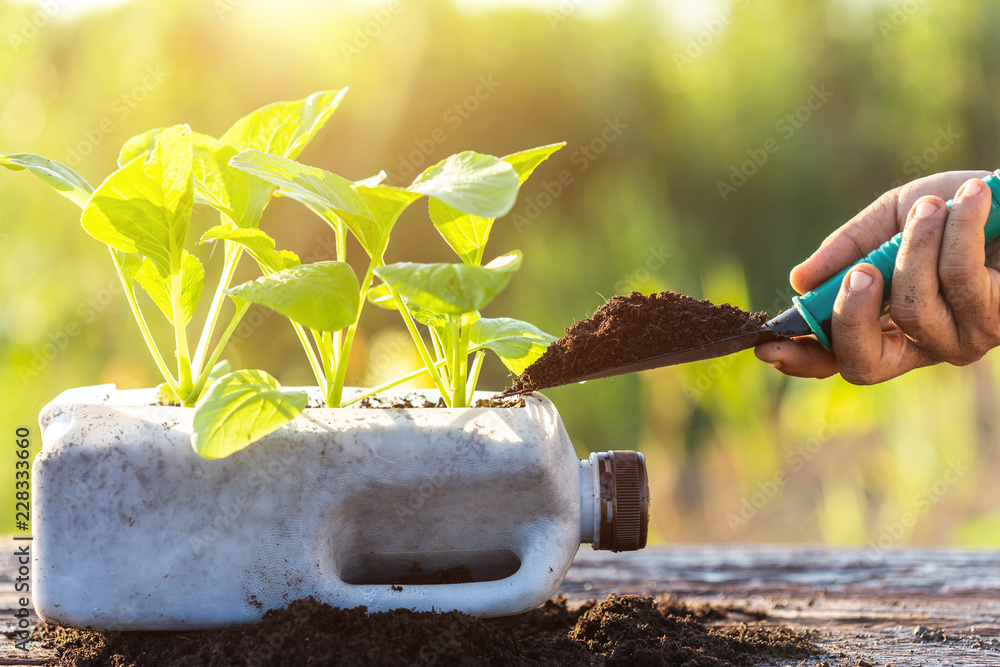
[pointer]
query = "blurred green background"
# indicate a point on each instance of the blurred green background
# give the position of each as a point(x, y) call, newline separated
point(666, 107)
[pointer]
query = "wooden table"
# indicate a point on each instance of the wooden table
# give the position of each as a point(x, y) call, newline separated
point(865, 605)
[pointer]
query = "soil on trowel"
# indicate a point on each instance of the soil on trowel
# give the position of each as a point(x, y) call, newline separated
point(634, 327)
point(621, 630)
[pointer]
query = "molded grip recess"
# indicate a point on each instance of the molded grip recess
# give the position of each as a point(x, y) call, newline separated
point(816, 307)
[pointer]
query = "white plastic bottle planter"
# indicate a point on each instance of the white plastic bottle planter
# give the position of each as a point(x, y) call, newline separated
point(136, 531)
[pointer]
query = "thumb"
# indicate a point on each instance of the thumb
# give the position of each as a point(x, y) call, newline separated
point(866, 355)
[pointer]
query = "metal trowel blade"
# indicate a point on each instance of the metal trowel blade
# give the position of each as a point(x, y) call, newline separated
point(787, 324)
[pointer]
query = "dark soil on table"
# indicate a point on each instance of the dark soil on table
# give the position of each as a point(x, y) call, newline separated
point(621, 630)
point(634, 327)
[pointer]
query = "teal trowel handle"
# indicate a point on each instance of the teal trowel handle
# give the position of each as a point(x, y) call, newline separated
point(816, 307)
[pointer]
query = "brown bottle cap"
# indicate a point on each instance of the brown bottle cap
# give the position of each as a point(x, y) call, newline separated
point(624, 491)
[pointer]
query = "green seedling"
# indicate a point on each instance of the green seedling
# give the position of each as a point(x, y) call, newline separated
point(142, 213)
point(447, 298)
point(466, 193)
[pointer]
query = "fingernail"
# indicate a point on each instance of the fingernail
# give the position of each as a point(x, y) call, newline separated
point(925, 209)
point(769, 353)
point(971, 189)
point(859, 280)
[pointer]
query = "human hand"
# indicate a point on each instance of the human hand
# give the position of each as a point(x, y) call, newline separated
point(945, 300)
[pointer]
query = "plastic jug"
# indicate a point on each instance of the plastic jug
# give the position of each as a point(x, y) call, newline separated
point(476, 509)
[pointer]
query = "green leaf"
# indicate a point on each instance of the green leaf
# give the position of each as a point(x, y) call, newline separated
point(526, 161)
point(472, 183)
point(219, 369)
point(64, 180)
point(384, 204)
point(284, 128)
point(258, 244)
point(218, 185)
point(380, 296)
point(468, 234)
point(145, 207)
point(322, 295)
point(158, 286)
point(450, 289)
point(517, 343)
point(130, 264)
point(140, 145)
point(239, 409)
point(368, 208)
point(210, 186)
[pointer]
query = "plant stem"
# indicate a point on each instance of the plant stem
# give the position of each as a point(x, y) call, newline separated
point(460, 340)
point(337, 388)
point(336, 347)
point(180, 339)
point(477, 365)
point(327, 360)
point(199, 384)
point(341, 231)
point(338, 336)
point(233, 253)
point(141, 321)
point(391, 383)
point(419, 342)
point(439, 355)
point(317, 369)
point(436, 342)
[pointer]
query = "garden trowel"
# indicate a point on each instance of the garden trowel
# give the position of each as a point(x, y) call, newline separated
point(810, 315)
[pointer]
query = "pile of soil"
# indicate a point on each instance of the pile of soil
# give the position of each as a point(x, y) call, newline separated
point(621, 630)
point(634, 327)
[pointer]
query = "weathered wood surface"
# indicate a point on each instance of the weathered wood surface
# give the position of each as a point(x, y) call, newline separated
point(865, 606)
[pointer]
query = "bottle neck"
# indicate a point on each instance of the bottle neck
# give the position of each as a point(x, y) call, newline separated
point(614, 501)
